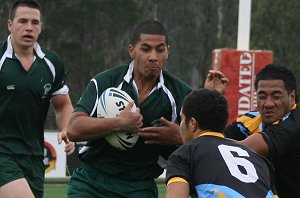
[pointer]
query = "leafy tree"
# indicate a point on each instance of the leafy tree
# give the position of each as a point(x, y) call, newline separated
point(92, 35)
point(275, 26)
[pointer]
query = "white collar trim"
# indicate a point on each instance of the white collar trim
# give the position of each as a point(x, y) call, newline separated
point(9, 51)
point(129, 76)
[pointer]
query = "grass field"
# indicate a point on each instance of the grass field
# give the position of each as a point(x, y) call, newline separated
point(57, 188)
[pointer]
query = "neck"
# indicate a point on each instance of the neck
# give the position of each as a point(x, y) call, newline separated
point(200, 132)
point(144, 86)
point(22, 51)
point(209, 133)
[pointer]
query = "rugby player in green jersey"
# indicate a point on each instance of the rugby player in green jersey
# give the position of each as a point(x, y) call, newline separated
point(106, 171)
point(30, 79)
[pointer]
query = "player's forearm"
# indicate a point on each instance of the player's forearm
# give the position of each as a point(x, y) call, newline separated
point(63, 108)
point(63, 116)
point(82, 127)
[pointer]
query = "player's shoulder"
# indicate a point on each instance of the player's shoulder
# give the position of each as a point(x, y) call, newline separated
point(248, 117)
point(50, 54)
point(112, 73)
point(111, 77)
point(296, 112)
point(292, 120)
point(173, 79)
point(174, 83)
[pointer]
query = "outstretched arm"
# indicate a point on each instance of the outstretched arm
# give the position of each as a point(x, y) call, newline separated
point(167, 134)
point(257, 143)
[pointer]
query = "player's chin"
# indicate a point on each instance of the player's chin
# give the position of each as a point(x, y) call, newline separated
point(153, 74)
point(269, 120)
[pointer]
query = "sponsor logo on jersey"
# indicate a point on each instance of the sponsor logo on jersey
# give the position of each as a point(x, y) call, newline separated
point(10, 87)
point(47, 88)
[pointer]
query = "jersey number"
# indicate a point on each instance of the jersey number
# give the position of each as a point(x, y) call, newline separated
point(236, 164)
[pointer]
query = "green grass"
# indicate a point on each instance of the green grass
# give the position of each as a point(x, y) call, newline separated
point(58, 188)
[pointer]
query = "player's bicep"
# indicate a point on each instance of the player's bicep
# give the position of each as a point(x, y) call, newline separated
point(178, 189)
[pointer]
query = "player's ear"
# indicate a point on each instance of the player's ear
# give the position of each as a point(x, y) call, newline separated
point(9, 24)
point(193, 124)
point(293, 96)
point(41, 27)
point(168, 51)
point(131, 51)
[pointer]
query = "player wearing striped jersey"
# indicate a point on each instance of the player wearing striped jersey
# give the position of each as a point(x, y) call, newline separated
point(207, 164)
point(274, 130)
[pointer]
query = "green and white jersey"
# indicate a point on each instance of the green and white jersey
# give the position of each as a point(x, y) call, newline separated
point(142, 161)
point(25, 98)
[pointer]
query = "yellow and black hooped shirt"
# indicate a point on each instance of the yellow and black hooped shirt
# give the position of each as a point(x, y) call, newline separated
point(214, 166)
point(283, 140)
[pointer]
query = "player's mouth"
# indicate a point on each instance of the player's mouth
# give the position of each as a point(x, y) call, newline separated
point(153, 67)
point(269, 113)
point(28, 37)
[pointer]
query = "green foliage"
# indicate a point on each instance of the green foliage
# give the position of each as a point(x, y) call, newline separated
point(93, 35)
point(275, 26)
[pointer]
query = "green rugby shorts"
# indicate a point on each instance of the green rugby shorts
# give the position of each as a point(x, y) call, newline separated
point(13, 167)
point(89, 182)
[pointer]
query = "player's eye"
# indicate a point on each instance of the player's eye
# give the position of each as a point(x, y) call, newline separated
point(261, 97)
point(35, 22)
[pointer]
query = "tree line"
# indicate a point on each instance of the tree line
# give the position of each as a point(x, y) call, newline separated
point(92, 35)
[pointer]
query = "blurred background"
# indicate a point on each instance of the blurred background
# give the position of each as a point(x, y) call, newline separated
point(93, 35)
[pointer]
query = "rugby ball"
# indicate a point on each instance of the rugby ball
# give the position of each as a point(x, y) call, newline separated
point(111, 102)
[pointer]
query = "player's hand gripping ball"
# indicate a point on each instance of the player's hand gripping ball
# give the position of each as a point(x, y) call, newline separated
point(111, 102)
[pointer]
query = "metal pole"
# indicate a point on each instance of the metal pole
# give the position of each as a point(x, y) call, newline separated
point(244, 25)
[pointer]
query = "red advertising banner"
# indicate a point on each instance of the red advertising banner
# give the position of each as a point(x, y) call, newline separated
point(240, 67)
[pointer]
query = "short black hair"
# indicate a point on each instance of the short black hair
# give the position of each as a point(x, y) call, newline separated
point(278, 72)
point(24, 3)
point(148, 27)
point(208, 107)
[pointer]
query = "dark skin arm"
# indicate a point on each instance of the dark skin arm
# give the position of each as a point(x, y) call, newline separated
point(257, 143)
point(169, 134)
point(82, 127)
point(178, 190)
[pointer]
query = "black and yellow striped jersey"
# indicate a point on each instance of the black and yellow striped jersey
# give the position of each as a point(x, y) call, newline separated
point(283, 140)
point(214, 166)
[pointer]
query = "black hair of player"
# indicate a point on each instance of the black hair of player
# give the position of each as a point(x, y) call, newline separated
point(278, 72)
point(24, 3)
point(148, 27)
point(208, 107)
